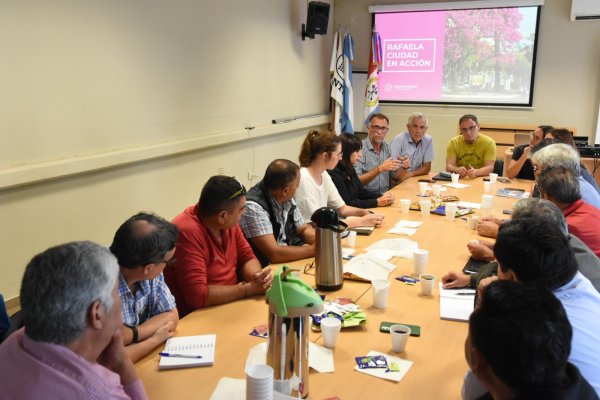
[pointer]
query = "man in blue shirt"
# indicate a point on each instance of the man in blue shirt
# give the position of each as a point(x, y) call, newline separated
point(414, 147)
point(144, 245)
point(376, 168)
point(536, 252)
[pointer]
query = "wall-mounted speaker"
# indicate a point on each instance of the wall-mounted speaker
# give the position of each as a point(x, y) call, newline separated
point(317, 18)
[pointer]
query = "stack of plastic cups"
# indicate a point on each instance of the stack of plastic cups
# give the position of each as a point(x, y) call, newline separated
point(493, 178)
point(420, 257)
point(487, 186)
point(425, 208)
point(259, 382)
point(422, 188)
point(451, 211)
point(436, 189)
point(487, 201)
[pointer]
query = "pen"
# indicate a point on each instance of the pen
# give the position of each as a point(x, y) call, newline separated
point(465, 294)
point(164, 354)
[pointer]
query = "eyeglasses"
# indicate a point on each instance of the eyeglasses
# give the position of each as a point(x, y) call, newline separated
point(240, 192)
point(376, 128)
point(168, 263)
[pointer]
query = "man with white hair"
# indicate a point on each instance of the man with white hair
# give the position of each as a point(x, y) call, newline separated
point(71, 345)
point(565, 156)
point(414, 147)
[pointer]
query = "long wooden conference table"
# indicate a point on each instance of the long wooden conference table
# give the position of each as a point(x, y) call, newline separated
point(437, 355)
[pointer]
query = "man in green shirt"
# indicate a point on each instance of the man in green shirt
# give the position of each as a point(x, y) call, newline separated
point(470, 153)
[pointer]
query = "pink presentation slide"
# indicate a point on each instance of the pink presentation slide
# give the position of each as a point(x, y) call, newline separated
point(413, 55)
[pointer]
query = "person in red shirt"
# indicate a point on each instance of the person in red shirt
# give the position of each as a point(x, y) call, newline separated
point(561, 186)
point(214, 262)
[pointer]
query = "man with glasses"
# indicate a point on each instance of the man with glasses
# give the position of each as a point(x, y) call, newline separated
point(520, 165)
point(144, 245)
point(470, 153)
point(414, 148)
point(376, 168)
point(215, 264)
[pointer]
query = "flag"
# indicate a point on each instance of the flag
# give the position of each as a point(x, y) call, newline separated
point(348, 110)
point(372, 89)
point(337, 83)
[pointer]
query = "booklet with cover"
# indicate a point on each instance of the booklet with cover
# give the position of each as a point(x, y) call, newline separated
point(512, 192)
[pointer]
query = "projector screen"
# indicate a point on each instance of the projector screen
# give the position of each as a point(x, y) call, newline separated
point(482, 56)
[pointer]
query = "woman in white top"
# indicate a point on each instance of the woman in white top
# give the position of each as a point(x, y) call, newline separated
point(321, 150)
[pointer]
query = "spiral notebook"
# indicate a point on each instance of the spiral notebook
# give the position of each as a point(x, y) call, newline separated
point(201, 345)
point(456, 304)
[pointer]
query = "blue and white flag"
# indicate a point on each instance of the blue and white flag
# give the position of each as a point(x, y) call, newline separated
point(337, 82)
point(348, 110)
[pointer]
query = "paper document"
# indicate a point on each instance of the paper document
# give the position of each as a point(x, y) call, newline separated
point(457, 185)
point(369, 266)
point(385, 255)
point(402, 247)
point(409, 224)
point(468, 204)
point(401, 364)
point(456, 304)
point(401, 230)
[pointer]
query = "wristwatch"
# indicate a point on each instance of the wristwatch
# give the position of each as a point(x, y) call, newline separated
point(133, 328)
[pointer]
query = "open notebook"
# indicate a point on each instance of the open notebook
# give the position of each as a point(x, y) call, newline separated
point(456, 304)
point(201, 345)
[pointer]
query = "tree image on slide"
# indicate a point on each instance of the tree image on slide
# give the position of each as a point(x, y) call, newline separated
point(484, 51)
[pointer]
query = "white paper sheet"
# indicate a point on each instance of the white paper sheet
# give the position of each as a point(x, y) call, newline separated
point(369, 266)
point(402, 247)
point(380, 372)
point(235, 389)
point(401, 230)
point(385, 255)
point(409, 224)
point(456, 185)
point(468, 204)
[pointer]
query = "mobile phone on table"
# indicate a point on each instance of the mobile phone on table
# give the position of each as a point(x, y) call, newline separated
point(415, 330)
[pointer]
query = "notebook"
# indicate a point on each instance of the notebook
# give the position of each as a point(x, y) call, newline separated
point(362, 230)
point(512, 192)
point(456, 304)
point(201, 345)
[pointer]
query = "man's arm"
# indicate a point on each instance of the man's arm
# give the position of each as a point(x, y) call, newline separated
point(488, 168)
point(135, 351)
point(388, 165)
point(279, 254)
point(514, 166)
point(451, 167)
point(307, 232)
point(403, 174)
point(150, 326)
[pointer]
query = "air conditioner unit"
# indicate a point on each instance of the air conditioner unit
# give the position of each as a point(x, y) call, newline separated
point(585, 9)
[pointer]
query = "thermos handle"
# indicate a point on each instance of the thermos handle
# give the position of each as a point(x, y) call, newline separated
point(338, 228)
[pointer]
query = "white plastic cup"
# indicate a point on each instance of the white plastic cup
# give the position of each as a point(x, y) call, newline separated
point(493, 178)
point(404, 205)
point(454, 177)
point(436, 189)
point(399, 334)
point(330, 327)
point(351, 239)
point(487, 200)
point(420, 259)
point(451, 209)
point(259, 382)
point(381, 289)
point(427, 284)
point(425, 207)
point(487, 186)
point(472, 221)
point(422, 188)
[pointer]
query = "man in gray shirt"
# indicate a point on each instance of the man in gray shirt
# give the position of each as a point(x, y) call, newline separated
point(414, 146)
point(376, 168)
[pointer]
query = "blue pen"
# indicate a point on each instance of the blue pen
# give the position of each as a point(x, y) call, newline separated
point(164, 354)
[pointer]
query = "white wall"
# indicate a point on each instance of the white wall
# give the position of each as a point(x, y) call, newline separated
point(111, 107)
point(567, 82)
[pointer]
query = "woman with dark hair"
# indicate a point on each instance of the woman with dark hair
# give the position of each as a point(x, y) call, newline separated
point(346, 180)
point(321, 150)
point(566, 137)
